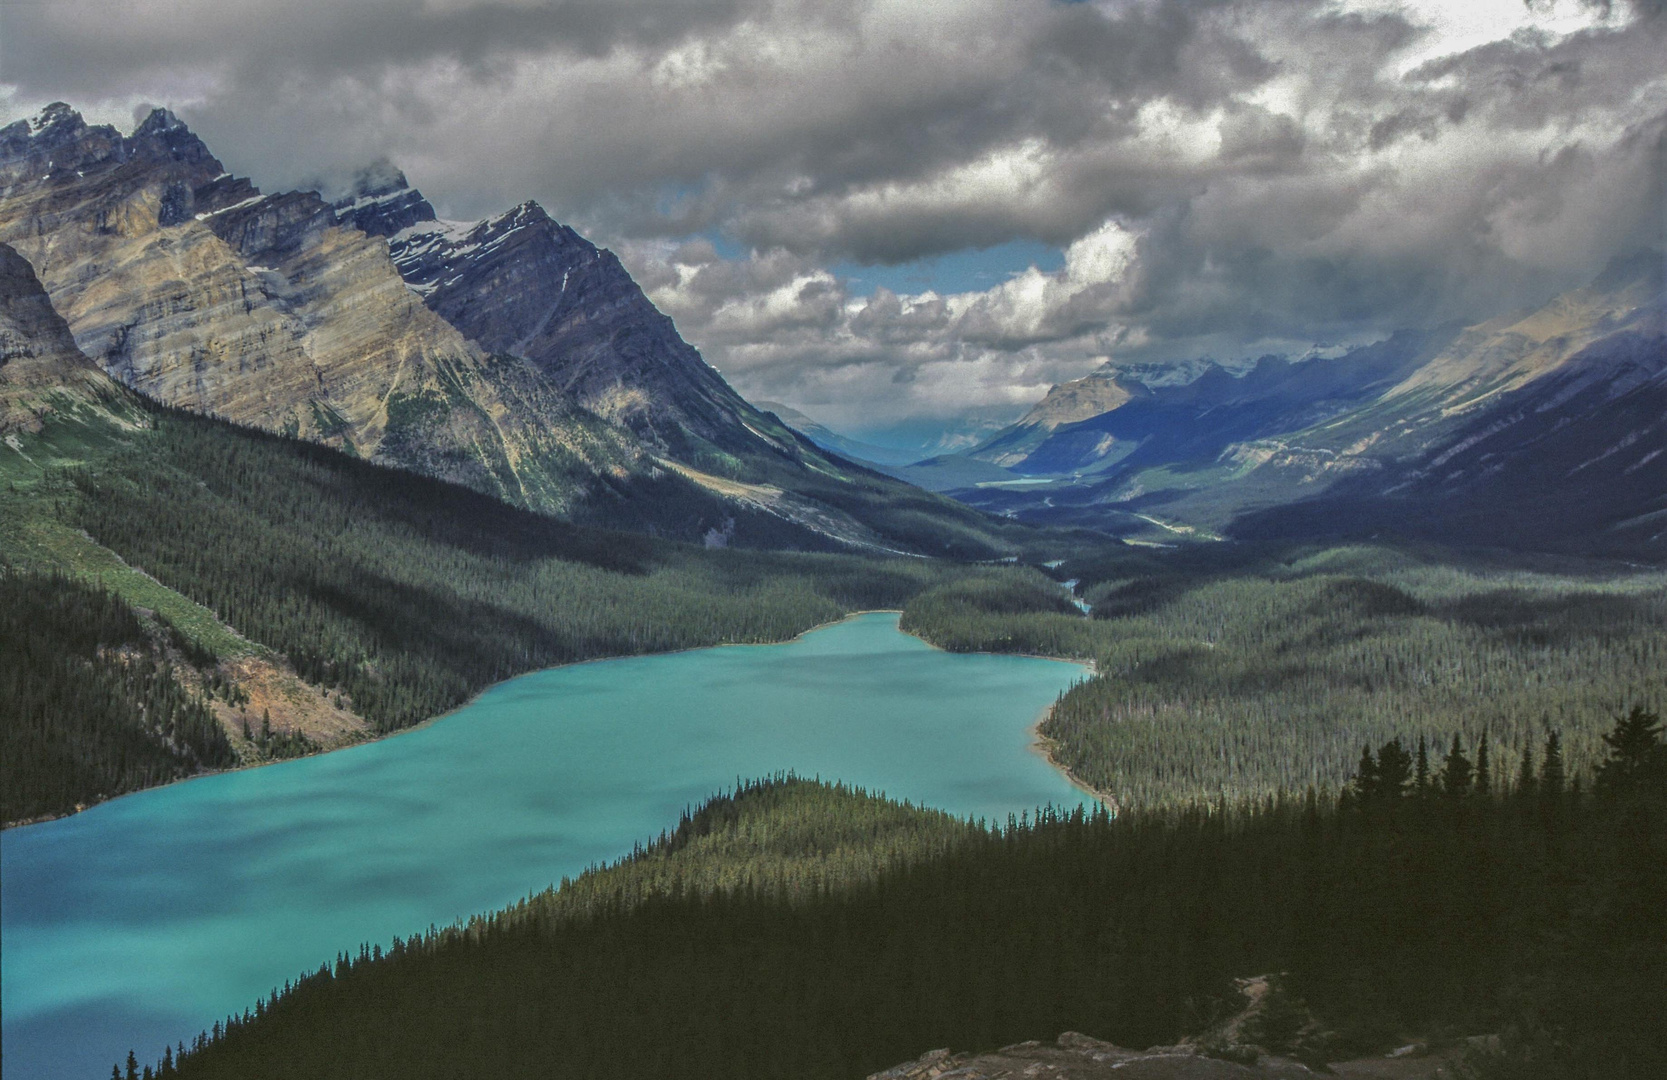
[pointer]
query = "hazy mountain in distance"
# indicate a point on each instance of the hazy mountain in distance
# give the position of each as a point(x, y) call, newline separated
point(1558, 408)
point(934, 472)
point(829, 439)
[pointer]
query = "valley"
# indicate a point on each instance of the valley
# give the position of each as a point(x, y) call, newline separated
point(1462, 436)
point(364, 571)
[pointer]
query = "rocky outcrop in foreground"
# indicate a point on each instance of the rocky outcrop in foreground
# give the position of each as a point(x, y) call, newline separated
point(1079, 1057)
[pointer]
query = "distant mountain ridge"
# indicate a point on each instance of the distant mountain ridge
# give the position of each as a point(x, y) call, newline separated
point(829, 439)
point(1460, 434)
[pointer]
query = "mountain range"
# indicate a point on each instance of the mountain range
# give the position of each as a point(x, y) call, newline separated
point(1540, 429)
point(509, 355)
point(513, 356)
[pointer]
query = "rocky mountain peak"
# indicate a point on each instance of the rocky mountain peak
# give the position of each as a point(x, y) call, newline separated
point(58, 143)
point(381, 177)
point(56, 140)
point(529, 213)
point(160, 122)
point(377, 200)
point(163, 137)
point(57, 120)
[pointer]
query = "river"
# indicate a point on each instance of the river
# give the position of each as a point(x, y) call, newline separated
point(141, 921)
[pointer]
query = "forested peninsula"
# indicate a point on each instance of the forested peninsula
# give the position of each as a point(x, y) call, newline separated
point(799, 929)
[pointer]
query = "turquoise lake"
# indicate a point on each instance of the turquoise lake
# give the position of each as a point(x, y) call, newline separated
point(141, 921)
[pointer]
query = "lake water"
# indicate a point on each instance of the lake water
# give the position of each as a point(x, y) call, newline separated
point(140, 922)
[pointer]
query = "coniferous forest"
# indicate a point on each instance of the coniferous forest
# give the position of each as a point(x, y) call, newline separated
point(1243, 672)
point(1492, 864)
point(396, 594)
point(87, 708)
point(1295, 372)
point(1424, 898)
point(1234, 673)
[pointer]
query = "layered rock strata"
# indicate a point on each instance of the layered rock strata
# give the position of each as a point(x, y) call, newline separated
point(193, 287)
point(528, 286)
point(41, 370)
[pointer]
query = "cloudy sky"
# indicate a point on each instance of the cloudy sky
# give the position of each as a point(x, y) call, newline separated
point(898, 214)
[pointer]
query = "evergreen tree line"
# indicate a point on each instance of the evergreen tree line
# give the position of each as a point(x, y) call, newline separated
point(87, 710)
point(1272, 671)
point(406, 594)
point(1529, 909)
point(398, 594)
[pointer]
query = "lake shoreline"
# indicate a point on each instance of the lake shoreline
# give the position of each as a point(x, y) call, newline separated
point(459, 707)
point(1046, 747)
point(266, 873)
point(473, 698)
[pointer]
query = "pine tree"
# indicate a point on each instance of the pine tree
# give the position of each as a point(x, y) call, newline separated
point(1456, 772)
point(1366, 774)
point(1526, 781)
point(1421, 779)
point(1484, 770)
point(1394, 770)
point(132, 1066)
point(1637, 759)
point(1551, 768)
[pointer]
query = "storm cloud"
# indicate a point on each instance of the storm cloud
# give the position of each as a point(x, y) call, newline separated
point(1223, 178)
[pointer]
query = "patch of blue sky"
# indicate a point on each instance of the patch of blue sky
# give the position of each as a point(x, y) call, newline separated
point(969, 270)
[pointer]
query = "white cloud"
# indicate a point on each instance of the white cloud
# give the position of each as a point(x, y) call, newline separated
point(1219, 176)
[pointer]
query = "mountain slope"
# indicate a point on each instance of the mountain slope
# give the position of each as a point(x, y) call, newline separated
point(511, 356)
point(828, 439)
point(41, 371)
point(1575, 459)
point(1198, 419)
point(1095, 394)
point(523, 284)
point(527, 286)
point(191, 286)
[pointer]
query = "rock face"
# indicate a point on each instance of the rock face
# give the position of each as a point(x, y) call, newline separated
point(511, 355)
point(41, 370)
point(194, 288)
point(527, 286)
point(1078, 1057)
